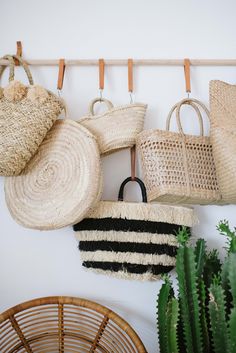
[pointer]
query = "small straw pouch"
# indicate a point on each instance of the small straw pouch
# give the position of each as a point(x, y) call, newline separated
point(26, 115)
point(118, 127)
point(177, 167)
point(223, 137)
point(131, 240)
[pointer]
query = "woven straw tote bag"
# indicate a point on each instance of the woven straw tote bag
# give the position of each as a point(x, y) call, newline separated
point(131, 240)
point(118, 127)
point(61, 183)
point(223, 137)
point(26, 115)
point(177, 167)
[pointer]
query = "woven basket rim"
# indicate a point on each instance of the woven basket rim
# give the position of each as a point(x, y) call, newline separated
point(146, 133)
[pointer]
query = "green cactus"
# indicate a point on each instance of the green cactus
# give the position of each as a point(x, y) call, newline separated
point(202, 319)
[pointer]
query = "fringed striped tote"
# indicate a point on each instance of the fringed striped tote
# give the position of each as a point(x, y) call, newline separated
point(131, 240)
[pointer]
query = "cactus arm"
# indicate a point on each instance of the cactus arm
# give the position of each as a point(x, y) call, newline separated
point(200, 256)
point(232, 331)
point(232, 276)
point(172, 321)
point(218, 319)
point(189, 305)
point(203, 317)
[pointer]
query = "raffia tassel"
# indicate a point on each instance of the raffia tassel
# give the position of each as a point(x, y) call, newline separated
point(14, 91)
point(148, 276)
point(37, 94)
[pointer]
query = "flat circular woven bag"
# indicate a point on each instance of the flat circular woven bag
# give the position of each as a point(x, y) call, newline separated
point(61, 182)
point(26, 115)
point(66, 325)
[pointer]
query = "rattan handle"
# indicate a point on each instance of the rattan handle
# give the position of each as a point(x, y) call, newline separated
point(194, 103)
point(12, 67)
point(141, 184)
point(101, 100)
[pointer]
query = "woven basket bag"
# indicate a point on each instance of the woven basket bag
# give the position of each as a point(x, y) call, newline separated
point(179, 168)
point(223, 137)
point(61, 183)
point(26, 115)
point(118, 127)
point(131, 240)
point(66, 325)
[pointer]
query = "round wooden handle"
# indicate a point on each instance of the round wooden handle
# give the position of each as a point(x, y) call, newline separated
point(100, 100)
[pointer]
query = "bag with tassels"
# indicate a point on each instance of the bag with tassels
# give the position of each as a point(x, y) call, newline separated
point(26, 115)
point(177, 167)
point(131, 240)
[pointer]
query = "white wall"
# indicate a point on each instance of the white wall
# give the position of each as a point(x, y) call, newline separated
point(35, 264)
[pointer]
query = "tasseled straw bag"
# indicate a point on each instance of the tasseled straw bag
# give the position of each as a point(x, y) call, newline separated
point(26, 114)
point(177, 167)
point(118, 127)
point(131, 240)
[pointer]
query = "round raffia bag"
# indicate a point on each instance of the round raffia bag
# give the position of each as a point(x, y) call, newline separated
point(177, 167)
point(61, 183)
point(26, 115)
point(131, 240)
point(118, 127)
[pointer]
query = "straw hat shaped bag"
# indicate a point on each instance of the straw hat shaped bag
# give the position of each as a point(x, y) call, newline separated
point(177, 167)
point(61, 183)
point(118, 127)
point(131, 240)
point(26, 115)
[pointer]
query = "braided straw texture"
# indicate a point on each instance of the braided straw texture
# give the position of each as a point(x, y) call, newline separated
point(223, 136)
point(61, 182)
point(118, 127)
point(66, 325)
point(178, 168)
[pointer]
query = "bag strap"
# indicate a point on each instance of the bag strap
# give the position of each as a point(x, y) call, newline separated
point(194, 103)
point(141, 184)
point(11, 66)
point(11, 58)
point(101, 100)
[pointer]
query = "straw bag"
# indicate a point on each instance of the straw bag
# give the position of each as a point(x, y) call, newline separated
point(61, 183)
point(177, 167)
point(26, 115)
point(131, 240)
point(118, 127)
point(223, 136)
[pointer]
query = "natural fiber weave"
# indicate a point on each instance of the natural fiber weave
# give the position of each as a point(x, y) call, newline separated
point(61, 182)
point(223, 137)
point(26, 115)
point(66, 325)
point(179, 168)
point(118, 127)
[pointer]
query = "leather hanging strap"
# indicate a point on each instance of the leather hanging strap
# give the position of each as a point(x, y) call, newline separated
point(130, 75)
point(18, 52)
point(61, 73)
point(133, 162)
point(101, 73)
point(187, 75)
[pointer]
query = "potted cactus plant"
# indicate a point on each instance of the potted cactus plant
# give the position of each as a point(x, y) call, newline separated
point(202, 318)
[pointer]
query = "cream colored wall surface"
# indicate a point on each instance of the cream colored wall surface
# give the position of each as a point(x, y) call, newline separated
point(34, 263)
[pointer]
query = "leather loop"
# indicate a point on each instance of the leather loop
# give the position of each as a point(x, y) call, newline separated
point(187, 75)
point(101, 73)
point(61, 73)
point(142, 187)
point(133, 162)
point(130, 75)
point(100, 100)
point(18, 52)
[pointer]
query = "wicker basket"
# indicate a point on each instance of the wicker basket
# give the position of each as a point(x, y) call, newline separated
point(118, 127)
point(179, 168)
point(26, 115)
point(223, 136)
point(66, 325)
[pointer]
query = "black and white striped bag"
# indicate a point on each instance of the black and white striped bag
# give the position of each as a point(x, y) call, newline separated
point(131, 240)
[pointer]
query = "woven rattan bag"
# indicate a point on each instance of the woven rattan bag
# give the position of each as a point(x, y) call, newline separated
point(131, 240)
point(61, 183)
point(26, 115)
point(118, 127)
point(177, 167)
point(223, 137)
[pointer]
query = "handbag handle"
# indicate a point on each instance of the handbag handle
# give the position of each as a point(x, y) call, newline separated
point(194, 103)
point(96, 100)
point(141, 184)
point(11, 58)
